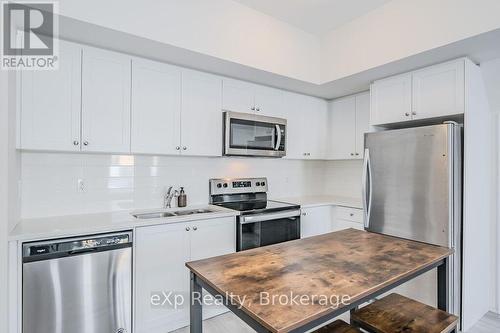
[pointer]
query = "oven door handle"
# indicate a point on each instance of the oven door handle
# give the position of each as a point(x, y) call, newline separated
point(269, 217)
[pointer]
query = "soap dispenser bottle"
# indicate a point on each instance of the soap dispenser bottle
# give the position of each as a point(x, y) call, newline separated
point(182, 198)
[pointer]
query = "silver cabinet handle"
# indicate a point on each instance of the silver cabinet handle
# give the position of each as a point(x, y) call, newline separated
point(195, 228)
point(178, 148)
point(76, 143)
point(184, 148)
point(188, 228)
point(85, 143)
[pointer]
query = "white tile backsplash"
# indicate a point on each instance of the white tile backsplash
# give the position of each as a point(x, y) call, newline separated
point(49, 181)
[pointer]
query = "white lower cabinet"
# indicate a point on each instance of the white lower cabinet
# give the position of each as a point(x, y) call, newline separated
point(160, 255)
point(346, 217)
point(315, 221)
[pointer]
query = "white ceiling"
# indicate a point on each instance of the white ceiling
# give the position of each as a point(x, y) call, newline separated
point(314, 16)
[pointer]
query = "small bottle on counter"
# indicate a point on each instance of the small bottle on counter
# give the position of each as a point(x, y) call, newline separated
point(182, 198)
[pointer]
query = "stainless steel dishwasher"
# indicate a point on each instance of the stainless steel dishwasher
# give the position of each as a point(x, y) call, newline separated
point(78, 285)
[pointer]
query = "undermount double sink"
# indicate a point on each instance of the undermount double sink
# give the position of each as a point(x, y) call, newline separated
point(157, 215)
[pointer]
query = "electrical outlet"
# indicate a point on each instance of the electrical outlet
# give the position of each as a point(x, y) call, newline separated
point(81, 186)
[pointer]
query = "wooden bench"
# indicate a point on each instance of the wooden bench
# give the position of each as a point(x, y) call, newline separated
point(338, 326)
point(396, 313)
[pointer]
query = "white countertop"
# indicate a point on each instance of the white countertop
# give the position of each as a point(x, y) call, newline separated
point(323, 200)
point(75, 225)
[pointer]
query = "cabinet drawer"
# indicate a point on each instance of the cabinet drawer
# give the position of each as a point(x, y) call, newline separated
point(341, 224)
point(349, 214)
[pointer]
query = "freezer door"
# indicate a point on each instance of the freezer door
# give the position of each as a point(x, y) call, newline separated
point(408, 187)
point(79, 294)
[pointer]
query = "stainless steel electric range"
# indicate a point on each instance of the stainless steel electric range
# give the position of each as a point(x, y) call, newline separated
point(261, 222)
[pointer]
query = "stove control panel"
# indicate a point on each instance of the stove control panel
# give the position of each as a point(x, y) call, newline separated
point(237, 185)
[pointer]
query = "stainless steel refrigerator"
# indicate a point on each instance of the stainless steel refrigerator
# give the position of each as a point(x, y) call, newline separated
point(412, 188)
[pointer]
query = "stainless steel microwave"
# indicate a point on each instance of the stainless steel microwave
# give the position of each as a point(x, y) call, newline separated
point(254, 135)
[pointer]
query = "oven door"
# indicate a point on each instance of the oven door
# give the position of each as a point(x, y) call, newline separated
point(254, 135)
point(266, 229)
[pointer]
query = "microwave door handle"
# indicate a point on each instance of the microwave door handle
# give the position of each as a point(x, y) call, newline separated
point(278, 135)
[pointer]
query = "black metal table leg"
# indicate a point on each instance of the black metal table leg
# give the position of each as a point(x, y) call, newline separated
point(195, 306)
point(443, 286)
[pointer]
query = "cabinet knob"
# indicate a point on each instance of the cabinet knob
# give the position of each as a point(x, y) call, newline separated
point(184, 148)
point(85, 143)
point(195, 228)
point(178, 148)
point(407, 114)
point(304, 214)
point(188, 228)
point(352, 154)
point(357, 154)
point(253, 108)
point(76, 143)
point(352, 214)
point(258, 109)
point(414, 113)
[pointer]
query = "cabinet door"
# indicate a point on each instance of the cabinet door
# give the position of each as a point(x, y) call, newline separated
point(362, 123)
point(51, 101)
point(105, 101)
point(342, 128)
point(439, 90)
point(156, 108)
point(391, 100)
point(160, 256)
point(210, 238)
point(201, 129)
point(295, 134)
point(238, 96)
point(306, 120)
point(269, 102)
point(315, 221)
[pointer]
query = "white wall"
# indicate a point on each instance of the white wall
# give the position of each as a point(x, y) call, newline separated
point(491, 75)
point(403, 28)
point(116, 182)
point(219, 28)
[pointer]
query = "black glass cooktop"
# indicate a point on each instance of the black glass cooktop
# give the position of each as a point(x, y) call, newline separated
point(258, 206)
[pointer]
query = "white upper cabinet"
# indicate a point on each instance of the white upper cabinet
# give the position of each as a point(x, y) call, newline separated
point(439, 90)
point(201, 130)
point(362, 122)
point(239, 96)
point(348, 121)
point(432, 92)
point(51, 100)
point(307, 126)
point(391, 100)
point(156, 107)
point(269, 102)
point(106, 101)
point(342, 128)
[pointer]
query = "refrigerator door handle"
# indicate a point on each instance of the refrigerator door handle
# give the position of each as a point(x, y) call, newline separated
point(367, 188)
